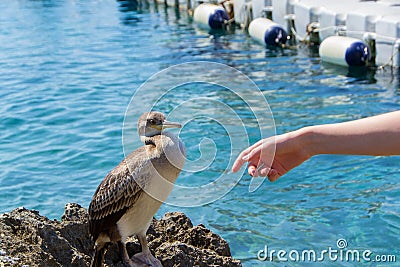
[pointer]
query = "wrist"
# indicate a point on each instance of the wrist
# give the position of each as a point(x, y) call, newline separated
point(309, 140)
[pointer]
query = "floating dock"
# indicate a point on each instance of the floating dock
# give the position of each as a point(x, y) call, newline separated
point(375, 23)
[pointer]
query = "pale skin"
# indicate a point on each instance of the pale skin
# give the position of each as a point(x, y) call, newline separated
point(375, 136)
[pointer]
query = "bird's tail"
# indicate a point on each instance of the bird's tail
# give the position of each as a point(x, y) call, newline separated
point(98, 257)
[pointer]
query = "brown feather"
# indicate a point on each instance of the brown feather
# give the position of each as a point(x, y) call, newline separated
point(117, 192)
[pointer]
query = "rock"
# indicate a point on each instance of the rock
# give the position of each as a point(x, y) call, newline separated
point(29, 239)
point(74, 212)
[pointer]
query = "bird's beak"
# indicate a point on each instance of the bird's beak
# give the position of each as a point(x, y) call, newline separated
point(171, 124)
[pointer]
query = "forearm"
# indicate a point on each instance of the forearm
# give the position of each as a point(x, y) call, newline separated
point(378, 135)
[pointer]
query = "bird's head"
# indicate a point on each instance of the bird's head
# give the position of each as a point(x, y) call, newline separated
point(152, 123)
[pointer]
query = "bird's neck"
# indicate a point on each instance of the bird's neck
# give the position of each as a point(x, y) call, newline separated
point(148, 140)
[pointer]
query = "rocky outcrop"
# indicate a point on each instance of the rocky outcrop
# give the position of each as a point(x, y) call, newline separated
point(29, 239)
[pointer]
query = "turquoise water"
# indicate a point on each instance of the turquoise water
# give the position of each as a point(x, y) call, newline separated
point(68, 71)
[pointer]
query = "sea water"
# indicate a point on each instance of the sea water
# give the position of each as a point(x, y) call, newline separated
point(68, 70)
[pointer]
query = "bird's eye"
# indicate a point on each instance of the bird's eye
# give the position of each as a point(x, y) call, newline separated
point(151, 121)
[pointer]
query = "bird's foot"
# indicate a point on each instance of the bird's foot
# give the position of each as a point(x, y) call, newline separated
point(134, 263)
point(147, 259)
point(127, 262)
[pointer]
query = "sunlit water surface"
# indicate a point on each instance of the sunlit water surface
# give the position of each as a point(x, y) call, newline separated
point(69, 68)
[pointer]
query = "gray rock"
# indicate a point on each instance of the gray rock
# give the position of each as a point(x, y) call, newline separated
point(29, 239)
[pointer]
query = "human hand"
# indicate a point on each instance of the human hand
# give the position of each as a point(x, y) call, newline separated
point(274, 156)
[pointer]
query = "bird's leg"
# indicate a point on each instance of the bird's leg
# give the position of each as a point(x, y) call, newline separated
point(124, 254)
point(145, 256)
point(98, 257)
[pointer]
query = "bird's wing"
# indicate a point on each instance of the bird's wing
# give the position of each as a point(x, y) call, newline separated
point(118, 191)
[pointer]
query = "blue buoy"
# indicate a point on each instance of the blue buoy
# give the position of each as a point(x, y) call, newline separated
point(357, 54)
point(268, 32)
point(344, 51)
point(211, 16)
point(217, 19)
point(275, 35)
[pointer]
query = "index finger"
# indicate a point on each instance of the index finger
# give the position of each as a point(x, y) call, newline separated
point(240, 161)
